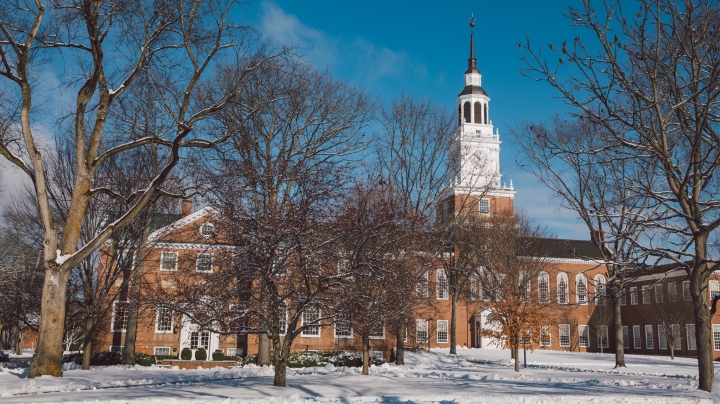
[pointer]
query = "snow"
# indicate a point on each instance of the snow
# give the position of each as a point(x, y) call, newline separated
point(473, 376)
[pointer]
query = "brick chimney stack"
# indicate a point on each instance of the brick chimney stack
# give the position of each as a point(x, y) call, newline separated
point(186, 207)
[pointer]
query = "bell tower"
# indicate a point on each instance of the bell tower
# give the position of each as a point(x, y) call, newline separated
point(476, 186)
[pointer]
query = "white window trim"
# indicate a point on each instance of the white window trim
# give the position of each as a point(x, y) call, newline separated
point(544, 277)
point(377, 354)
point(648, 345)
point(690, 334)
point(162, 347)
point(427, 331)
point(662, 338)
point(162, 256)
point(626, 337)
point(646, 294)
point(438, 285)
point(637, 337)
point(285, 320)
point(335, 334)
point(716, 343)
point(423, 287)
point(583, 330)
point(379, 337)
point(480, 209)
point(633, 296)
point(603, 341)
point(545, 330)
point(234, 353)
point(686, 296)
point(580, 278)
point(118, 348)
point(157, 322)
point(659, 296)
point(569, 335)
point(566, 292)
point(623, 297)
point(302, 323)
point(197, 263)
point(600, 290)
point(447, 331)
point(112, 320)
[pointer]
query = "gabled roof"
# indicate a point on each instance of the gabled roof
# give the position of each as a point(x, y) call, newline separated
point(174, 225)
point(570, 249)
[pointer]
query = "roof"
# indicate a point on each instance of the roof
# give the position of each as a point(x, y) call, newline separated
point(472, 90)
point(570, 249)
point(160, 220)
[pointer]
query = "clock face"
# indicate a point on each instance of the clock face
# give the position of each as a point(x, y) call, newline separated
point(468, 80)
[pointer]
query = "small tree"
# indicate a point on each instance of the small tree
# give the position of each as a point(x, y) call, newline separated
point(672, 314)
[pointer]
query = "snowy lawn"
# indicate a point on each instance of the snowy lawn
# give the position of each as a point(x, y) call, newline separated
point(474, 376)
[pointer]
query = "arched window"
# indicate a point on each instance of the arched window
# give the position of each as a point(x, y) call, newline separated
point(477, 111)
point(562, 288)
point(600, 290)
point(485, 114)
point(442, 284)
point(581, 289)
point(466, 111)
point(544, 287)
point(459, 115)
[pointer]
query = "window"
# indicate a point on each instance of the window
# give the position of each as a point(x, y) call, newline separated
point(544, 287)
point(562, 288)
point(714, 289)
point(545, 335)
point(234, 352)
point(581, 284)
point(162, 351)
point(442, 285)
point(658, 294)
point(343, 267)
point(378, 332)
point(564, 335)
point(477, 112)
point(649, 341)
point(422, 285)
point(473, 287)
point(603, 337)
point(672, 292)
point(343, 329)
point(207, 229)
point(168, 261)
point(466, 111)
point(637, 338)
point(690, 330)
point(377, 355)
point(623, 297)
point(633, 296)
point(282, 318)
point(675, 331)
point(583, 336)
point(442, 331)
point(525, 340)
point(421, 331)
point(662, 340)
point(646, 294)
point(204, 263)
point(125, 260)
point(626, 337)
point(164, 319)
point(599, 290)
point(200, 339)
point(120, 313)
point(484, 206)
point(311, 315)
point(716, 337)
point(686, 290)
point(116, 348)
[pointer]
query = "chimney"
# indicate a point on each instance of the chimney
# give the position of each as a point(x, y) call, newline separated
point(186, 207)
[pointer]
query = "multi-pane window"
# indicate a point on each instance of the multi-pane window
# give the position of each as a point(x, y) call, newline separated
point(633, 296)
point(583, 336)
point(120, 314)
point(626, 337)
point(282, 317)
point(603, 337)
point(204, 263)
point(116, 348)
point(564, 335)
point(690, 329)
point(675, 331)
point(716, 336)
point(599, 290)
point(662, 338)
point(422, 285)
point(164, 321)
point(545, 335)
point(442, 331)
point(343, 329)
point(623, 297)
point(646, 294)
point(714, 289)
point(421, 331)
point(562, 289)
point(234, 352)
point(637, 338)
point(649, 341)
point(672, 292)
point(442, 285)
point(125, 260)
point(658, 294)
point(581, 284)
point(162, 351)
point(484, 206)
point(473, 287)
point(168, 261)
point(343, 267)
point(310, 316)
point(377, 332)
point(686, 290)
point(200, 339)
point(544, 287)
point(525, 340)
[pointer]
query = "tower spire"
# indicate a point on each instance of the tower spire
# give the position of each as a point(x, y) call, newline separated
point(472, 62)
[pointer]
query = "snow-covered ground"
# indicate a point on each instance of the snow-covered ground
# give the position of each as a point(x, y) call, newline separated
point(474, 376)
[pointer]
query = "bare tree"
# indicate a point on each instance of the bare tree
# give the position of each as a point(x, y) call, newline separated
point(672, 316)
point(651, 82)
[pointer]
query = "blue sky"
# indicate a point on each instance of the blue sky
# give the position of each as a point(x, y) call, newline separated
point(422, 47)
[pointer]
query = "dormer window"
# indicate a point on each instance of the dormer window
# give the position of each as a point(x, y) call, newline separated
point(207, 229)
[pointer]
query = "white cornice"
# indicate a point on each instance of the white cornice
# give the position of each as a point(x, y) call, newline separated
point(163, 231)
point(192, 246)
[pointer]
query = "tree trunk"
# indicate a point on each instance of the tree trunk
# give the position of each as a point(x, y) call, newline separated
point(453, 325)
point(87, 342)
point(47, 360)
point(672, 351)
point(18, 339)
point(703, 325)
point(400, 345)
point(517, 357)
point(617, 318)
point(280, 362)
point(366, 355)
point(264, 350)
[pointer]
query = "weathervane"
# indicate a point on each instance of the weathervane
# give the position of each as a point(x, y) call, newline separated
point(472, 20)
